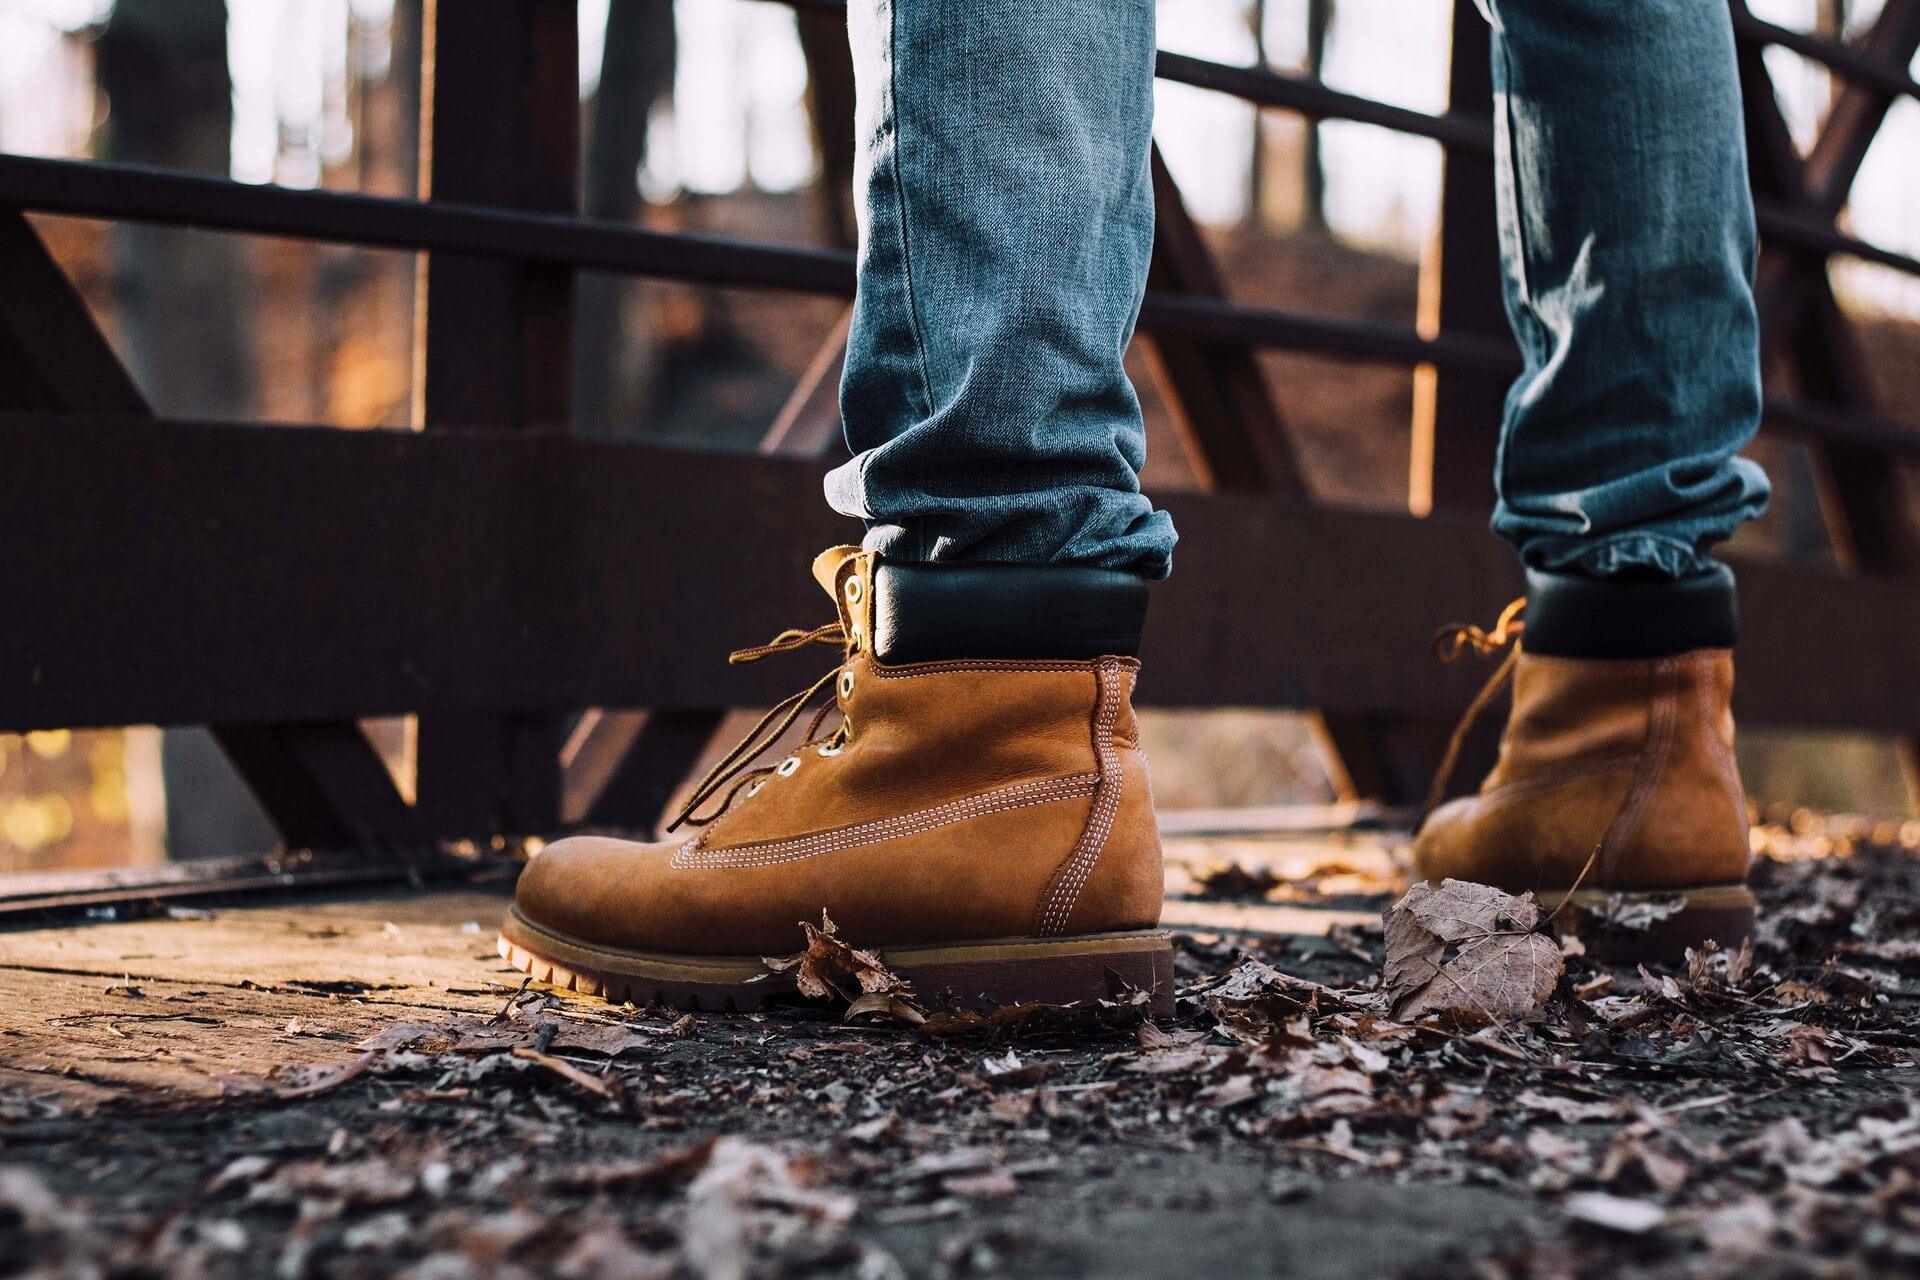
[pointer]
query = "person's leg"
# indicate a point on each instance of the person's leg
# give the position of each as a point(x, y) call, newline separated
point(1006, 220)
point(979, 809)
point(1627, 233)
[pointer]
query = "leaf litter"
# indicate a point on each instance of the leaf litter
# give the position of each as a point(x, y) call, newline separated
point(1751, 1112)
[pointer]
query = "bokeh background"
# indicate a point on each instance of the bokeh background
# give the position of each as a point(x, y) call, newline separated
point(706, 127)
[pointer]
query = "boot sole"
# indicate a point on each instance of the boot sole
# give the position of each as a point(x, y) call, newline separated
point(978, 975)
point(1722, 913)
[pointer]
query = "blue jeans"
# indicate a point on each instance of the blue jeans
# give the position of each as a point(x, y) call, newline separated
point(1006, 226)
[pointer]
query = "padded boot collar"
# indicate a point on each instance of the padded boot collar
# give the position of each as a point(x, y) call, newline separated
point(1576, 617)
point(939, 612)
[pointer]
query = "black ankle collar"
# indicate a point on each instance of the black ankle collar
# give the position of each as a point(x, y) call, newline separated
point(1575, 617)
point(940, 612)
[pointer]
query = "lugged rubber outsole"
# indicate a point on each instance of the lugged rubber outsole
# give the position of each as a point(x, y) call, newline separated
point(980, 975)
point(1720, 913)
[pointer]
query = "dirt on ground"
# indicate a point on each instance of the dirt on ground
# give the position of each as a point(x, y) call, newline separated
point(1430, 1098)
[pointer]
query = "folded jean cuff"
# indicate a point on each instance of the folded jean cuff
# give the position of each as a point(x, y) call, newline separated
point(1573, 616)
point(943, 612)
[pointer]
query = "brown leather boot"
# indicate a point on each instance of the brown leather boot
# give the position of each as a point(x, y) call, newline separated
point(980, 815)
point(1616, 770)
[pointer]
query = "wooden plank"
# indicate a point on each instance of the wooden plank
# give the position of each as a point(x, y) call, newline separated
point(663, 747)
point(830, 104)
point(808, 424)
point(1236, 441)
point(224, 1000)
point(204, 542)
point(1456, 424)
point(1865, 495)
point(1221, 406)
point(343, 217)
point(1858, 112)
point(495, 346)
point(59, 897)
point(630, 763)
point(52, 355)
point(1456, 415)
point(1852, 62)
point(321, 785)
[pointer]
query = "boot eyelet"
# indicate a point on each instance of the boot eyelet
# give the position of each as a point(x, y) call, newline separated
point(846, 684)
point(754, 790)
point(854, 590)
point(788, 767)
point(831, 749)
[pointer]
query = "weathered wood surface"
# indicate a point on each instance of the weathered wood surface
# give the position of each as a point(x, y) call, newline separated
point(209, 1005)
point(206, 1006)
point(202, 543)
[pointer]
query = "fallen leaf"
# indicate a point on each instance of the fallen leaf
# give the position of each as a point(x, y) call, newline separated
point(830, 968)
point(994, 1184)
point(1468, 951)
point(1007, 1071)
point(1231, 1092)
point(1572, 1110)
point(607, 1087)
point(1615, 1213)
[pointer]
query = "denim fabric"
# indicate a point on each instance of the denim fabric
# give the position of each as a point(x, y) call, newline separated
point(1626, 231)
point(1006, 219)
point(1006, 223)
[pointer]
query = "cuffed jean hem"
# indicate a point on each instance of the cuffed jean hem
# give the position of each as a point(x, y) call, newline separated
point(1635, 555)
point(1074, 526)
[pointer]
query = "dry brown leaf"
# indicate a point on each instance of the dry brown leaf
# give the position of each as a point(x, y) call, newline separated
point(886, 1006)
point(1630, 1217)
point(830, 968)
point(1468, 951)
point(1231, 1092)
point(1256, 1001)
point(607, 1087)
point(1009, 1072)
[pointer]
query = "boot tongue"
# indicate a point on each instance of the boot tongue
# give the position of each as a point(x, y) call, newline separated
point(831, 569)
point(827, 566)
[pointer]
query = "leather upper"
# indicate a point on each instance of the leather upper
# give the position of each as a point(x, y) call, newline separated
point(971, 799)
point(1633, 757)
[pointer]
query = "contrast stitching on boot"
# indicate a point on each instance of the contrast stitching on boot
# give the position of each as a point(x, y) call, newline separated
point(960, 668)
point(1072, 877)
point(1652, 765)
point(1020, 795)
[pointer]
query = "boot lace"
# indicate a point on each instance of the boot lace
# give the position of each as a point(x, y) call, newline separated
point(1450, 644)
point(737, 766)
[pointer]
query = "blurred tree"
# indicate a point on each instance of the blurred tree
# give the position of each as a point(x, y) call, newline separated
point(1312, 183)
point(409, 21)
point(183, 301)
point(1313, 169)
point(636, 68)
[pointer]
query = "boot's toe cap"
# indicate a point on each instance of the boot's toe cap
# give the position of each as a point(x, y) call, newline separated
point(585, 887)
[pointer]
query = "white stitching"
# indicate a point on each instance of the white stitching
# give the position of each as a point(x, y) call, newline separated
point(958, 668)
point(1065, 894)
point(1020, 795)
